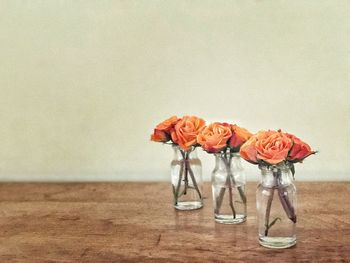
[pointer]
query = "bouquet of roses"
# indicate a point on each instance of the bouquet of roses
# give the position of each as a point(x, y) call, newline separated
point(225, 139)
point(181, 132)
point(273, 150)
point(275, 147)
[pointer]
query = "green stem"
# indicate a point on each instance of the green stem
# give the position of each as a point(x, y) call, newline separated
point(185, 157)
point(179, 183)
point(186, 174)
point(188, 170)
point(194, 182)
point(227, 157)
point(239, 188)
point(286, 204)
point(231, 177)
point(268, 211)
point(221, 196)
point(231, 201)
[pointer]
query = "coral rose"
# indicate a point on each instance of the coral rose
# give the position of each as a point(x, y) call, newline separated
point(186, 131)
point(239, 136)
point(273, 146)
point(214, 137)
point(168, 124)
point(248, 150)
point(163, 130)
point(160, 136)
point(300, 149)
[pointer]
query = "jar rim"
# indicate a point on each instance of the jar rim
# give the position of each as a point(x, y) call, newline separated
point(220, 154)
point(191, 149)
point(279, 166)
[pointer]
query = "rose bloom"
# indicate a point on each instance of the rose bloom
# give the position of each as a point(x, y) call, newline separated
point(300, 149)
point(273, 146)
point(214, 137)
point(248, 150)
point(162, 131)
point(168, 124)
point(239, 136)
point(186, 131)
point(160, 136)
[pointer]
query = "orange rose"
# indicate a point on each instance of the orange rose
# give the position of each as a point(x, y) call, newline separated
point(159, 136)
point(273, 146)
point(168, 124)
point(163, 130)
point(239, 136)
point(214, 137)
point(300, 149)
point(186, 131)
point(248, 150)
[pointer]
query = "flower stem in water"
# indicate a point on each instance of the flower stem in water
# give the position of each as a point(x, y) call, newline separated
point(179, 183)
point(286, 204)
point(268, 210)
point(194, 182)
point(231, 201)
point(185, 165)
point(230, 182)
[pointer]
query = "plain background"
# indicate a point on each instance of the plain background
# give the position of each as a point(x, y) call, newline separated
point(83, 83)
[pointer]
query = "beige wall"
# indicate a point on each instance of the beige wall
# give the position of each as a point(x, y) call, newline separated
point(82, 83)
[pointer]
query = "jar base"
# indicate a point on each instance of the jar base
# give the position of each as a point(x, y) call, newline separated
point(229, 220)
point(277, 242)
point(188, 205)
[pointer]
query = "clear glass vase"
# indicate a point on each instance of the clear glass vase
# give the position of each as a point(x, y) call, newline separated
point(228, 188)
point(186, 179)
point(276, 207)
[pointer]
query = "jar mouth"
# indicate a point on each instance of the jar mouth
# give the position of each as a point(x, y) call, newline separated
point(224, 154)
point(177, 147)
point(272, 167)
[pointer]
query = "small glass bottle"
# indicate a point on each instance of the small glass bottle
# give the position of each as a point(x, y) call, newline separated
point(276, 207)
point(228, 189)
point(186, 179)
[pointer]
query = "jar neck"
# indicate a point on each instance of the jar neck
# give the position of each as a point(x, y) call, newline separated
point(180, 154)
point(274, 176)
point(225, 159)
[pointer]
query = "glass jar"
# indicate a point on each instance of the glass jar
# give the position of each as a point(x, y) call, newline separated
point(186, 179)
point(276, 207)
point(228, 189)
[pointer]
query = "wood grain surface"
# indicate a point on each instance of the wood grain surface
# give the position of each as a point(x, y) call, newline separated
point(135, 222)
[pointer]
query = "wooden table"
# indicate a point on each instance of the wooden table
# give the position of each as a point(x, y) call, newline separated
point(135, 222)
